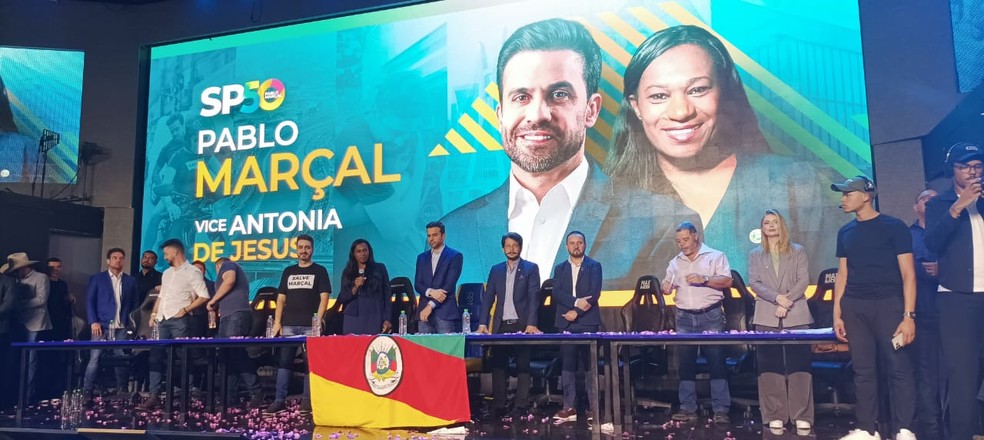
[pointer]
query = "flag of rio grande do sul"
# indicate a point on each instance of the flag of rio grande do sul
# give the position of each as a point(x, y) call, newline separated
point(388, 381)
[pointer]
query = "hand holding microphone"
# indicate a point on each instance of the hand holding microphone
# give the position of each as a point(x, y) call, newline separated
point(361, 279)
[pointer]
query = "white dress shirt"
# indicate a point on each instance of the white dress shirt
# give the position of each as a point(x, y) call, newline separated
point(543, 225)
point(977, 244)
point(435, 257)
point(179, 287)
point(117, 282)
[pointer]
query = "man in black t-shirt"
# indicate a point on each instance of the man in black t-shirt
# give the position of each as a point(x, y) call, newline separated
point(874, 305)
point(303, 293)
point(147, 277)
point(231, 302)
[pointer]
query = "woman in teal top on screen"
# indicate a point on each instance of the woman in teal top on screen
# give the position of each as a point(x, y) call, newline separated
point(686, 129)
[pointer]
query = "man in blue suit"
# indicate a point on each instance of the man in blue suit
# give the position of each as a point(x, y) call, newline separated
point(577, 288)
point(110, 297)
point(513, 287)
point(437, 275)
point(548, 74)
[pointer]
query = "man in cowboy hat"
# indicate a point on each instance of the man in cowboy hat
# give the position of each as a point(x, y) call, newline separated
point(32, 309)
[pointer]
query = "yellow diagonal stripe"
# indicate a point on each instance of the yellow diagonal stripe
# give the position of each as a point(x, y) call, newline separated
point(611, 103)
point(804, 137)
point(439, 150)
point(486, 112)
point(624, 29)
point(647, 18)
point(821, 118)
point(493, 90)
point(607, 44)
point(603, 128)
point(458, 142)
point(35, 121)
point(595, 151)
point(479, 133)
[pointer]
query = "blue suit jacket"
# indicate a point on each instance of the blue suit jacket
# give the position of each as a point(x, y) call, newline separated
point(589, 279)
point(445, 277)
point(526, 285)
point(631, 230)
point(101, 301)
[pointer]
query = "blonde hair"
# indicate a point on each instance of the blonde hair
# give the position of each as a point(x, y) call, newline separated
point(782, 243)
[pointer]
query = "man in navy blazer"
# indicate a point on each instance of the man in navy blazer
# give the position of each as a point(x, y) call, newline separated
point(577, 288)
point(436, 280)
point(110, 297)
point(513, 287)
point(953, 219)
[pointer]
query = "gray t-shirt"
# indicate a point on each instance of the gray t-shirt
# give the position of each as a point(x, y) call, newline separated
point(238, 298)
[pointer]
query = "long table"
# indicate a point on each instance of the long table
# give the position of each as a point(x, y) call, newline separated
point(170, 346)
point(590, 340)
point(615, 341)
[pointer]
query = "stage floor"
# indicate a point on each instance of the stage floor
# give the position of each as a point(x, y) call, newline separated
point(292, 424)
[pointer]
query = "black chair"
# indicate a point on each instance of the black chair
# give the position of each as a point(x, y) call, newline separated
point(404, 300)
point(831, 362)
point(545, 363)
point(470, 298)
point(739, 313)
point(646, 311)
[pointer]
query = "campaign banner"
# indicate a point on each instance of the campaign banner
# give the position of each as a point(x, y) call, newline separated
point(372, 125)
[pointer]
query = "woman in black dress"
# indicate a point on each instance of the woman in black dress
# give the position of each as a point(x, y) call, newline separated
point(365, 293)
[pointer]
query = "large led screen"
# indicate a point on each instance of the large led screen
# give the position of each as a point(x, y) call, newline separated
point(40, 101)
point(372, 125)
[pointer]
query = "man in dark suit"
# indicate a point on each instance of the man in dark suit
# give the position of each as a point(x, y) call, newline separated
point(577, 288)
point(513, 287)
point(953, 223)
point(548, 74)
point(110, 297)
point(437, 275)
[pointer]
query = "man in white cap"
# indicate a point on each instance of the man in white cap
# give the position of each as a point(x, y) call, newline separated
point(32, 308)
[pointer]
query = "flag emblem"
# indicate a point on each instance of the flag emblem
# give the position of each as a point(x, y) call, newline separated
point(383, 365)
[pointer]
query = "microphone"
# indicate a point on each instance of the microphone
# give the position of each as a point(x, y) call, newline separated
point(362, 272)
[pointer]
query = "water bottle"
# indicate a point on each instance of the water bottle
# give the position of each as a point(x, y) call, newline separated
point(269, 327)
point(213, 318)
point(155, 331)
point(403, 322)
point(466, 322)
point(315, 325)
point(65, 410)
point(111, 331)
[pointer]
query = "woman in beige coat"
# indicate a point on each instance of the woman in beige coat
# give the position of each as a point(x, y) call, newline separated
point(778, 274)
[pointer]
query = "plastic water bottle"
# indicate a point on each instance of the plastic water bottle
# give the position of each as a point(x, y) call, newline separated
point(315, 325)
point(155, 331)
point(111, 331)
point(466, 322)
point(213, 319)
point(403, 322)
point(269, 327)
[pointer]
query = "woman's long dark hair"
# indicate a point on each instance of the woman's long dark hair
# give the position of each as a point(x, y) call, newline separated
point(632, 158)
point(352, 267)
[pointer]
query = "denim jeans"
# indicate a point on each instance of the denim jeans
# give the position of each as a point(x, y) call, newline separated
point(436, 325)
point(32, 365)
point(238, 363)
point(93, 367)
point(687, 322)
point(287, 355)
point(169, 329)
